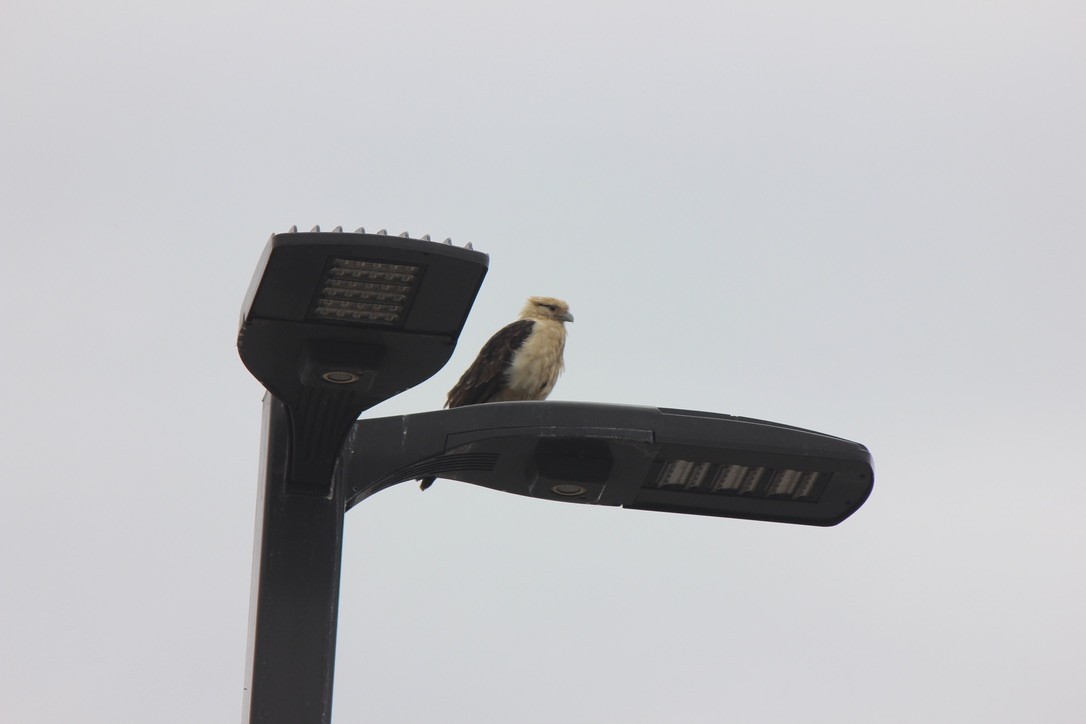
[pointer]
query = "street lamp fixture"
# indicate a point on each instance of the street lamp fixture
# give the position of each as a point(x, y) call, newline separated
point(335, 323)
point(647, 458)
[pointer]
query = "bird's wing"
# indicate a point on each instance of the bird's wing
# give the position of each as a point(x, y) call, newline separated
point(486, 375)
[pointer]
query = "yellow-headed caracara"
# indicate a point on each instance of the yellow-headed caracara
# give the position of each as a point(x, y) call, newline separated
point(521, 361)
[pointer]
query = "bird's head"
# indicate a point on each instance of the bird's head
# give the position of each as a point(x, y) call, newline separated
point(546, 308)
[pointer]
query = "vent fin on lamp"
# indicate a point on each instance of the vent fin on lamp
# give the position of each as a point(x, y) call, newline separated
point(365, 292)
point(746, 480)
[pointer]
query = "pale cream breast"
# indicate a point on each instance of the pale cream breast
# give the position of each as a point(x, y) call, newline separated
point(537, 364)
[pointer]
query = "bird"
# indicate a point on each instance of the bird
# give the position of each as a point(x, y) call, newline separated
point(521, 361)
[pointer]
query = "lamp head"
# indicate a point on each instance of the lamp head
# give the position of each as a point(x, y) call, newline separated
point(334, 323)
point(647, 458)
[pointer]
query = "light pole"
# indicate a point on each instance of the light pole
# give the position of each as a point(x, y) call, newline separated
point(335, 323)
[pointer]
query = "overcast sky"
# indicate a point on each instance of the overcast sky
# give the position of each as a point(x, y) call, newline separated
point(862, 218)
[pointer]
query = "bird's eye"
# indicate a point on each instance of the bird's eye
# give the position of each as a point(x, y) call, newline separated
point(550, 307)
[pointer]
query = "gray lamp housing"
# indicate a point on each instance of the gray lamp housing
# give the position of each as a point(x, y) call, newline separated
point(334, 323)
point(646, 458)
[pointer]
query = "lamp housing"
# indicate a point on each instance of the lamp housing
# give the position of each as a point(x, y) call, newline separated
point(646, 458)
point(334, 323)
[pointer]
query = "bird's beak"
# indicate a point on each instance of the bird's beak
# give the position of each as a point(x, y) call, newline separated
point(567, 317)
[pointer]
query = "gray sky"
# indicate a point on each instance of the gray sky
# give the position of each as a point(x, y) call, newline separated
point(861, 218)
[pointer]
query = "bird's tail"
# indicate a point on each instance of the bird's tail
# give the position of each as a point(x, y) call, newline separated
point(425, 483)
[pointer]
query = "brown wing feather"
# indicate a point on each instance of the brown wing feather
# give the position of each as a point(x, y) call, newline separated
point(486, 375)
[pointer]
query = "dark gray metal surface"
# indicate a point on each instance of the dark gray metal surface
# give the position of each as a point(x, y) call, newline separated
point(328, 371)
point(295, 597)
point(609, 454)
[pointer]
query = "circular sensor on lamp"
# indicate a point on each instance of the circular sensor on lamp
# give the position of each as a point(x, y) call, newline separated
point(340, 378)
point(568, 490)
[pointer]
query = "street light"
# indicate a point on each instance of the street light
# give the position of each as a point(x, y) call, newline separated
point(335, 323)
point(647, 458)
point(332, 324)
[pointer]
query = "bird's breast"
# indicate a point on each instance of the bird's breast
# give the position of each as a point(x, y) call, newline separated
point(536, 365)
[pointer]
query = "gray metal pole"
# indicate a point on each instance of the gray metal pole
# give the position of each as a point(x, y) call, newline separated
point(297, 549)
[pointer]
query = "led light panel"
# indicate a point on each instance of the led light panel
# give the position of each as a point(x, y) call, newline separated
point(752, 481)
point(365, 292)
